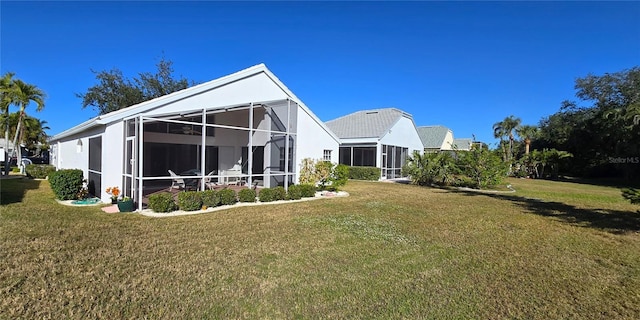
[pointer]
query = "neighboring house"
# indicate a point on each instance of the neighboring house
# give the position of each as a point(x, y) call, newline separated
point(463, 144)
point(436, 138)
point(382, 138)
point(6, 145)
point(247, 123)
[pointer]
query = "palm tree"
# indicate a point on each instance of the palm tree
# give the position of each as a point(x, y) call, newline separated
point(24, 94)
point(6, 98)
point(504, 129)
point(33, 133)
point(527, 133)
point(500, 133)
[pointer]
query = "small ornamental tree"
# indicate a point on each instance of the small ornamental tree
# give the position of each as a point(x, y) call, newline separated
point(323, 174)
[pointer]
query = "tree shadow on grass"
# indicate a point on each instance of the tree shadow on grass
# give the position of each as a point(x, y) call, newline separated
point(613, 221)
point(14, 190)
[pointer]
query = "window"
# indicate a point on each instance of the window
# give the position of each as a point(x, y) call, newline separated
point(326, 156)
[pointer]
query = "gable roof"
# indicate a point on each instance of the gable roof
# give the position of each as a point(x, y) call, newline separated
point(433, 136)
point(463, 143)
point(145, 106)
point(366, 123)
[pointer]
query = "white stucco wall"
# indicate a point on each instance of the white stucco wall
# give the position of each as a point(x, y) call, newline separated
point(70, 156)
point(256, 88)
point(112, 158)
point(403, 134)
point(312, 140)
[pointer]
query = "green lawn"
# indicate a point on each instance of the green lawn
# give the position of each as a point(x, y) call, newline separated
point(550, 250)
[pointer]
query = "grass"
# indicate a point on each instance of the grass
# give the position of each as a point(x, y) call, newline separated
point(550, 250)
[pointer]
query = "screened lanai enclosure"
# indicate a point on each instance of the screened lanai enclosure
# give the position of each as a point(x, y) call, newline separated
point(252, 144)
point(392, 158)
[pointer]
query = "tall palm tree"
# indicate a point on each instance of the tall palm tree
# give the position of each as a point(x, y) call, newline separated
point(504, 129)
point(24, 94)
point(527, 133)
point(6, 99)
point(500, 133)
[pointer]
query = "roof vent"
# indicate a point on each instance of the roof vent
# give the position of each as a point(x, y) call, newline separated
point(372, 112)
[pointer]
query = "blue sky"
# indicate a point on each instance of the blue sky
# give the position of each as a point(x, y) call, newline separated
point(465, 65)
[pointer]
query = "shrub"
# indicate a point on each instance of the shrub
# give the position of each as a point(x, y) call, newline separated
point(247, 195)
point(308, 190)
point(294, 192)
point(227, 197)
point(280, 193)
point(631, 194)
point(66, 184)
point(210, 198)
point(364, 173)
point(267, 195)
point(39, 171)
point(464, 182)
point(189, 200)
point(339, 176)
point(483, 167)
point(162, 202)
point(431, 168)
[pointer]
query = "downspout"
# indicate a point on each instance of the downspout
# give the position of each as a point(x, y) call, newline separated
point(250, 151)
point(140, 153)
point(286, 148)
point(203, 147)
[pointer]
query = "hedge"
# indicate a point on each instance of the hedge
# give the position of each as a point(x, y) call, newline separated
point(308, 190)
point(162, 202)
point(210, 198)
point(39, 171)
point(227, 197)
point(267, 195)
point(247, 195)
point(364, 173)
point(66, 184)
point(294, 192)
point(189, 200)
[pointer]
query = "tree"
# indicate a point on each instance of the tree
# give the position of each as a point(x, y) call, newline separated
point(527, 133)
point(23, 95)
point(604, 130)
point(114, 91)
point(6, 99)
point(505, 129)
point(34, 133)
point(483, 167)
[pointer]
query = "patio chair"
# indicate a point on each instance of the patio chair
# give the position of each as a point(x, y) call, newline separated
point(177, 182)
point(207, 180)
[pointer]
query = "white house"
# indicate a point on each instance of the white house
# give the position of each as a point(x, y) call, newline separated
point(246, 124)
point(380, 138)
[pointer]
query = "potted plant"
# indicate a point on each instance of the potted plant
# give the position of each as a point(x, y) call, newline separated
point(114, 192)
point(125, 204)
